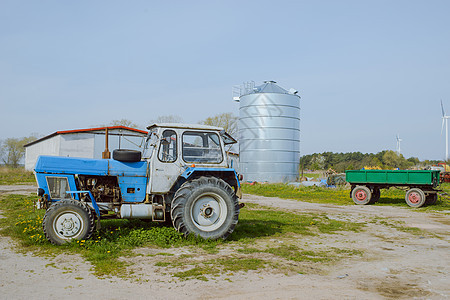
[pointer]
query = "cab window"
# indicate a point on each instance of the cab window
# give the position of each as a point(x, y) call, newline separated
point(168, 147)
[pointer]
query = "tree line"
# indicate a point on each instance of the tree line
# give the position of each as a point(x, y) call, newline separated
point(386, 159)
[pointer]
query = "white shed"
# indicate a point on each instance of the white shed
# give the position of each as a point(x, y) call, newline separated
point(87, 143)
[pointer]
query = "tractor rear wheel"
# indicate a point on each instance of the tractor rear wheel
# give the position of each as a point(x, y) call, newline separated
point(68, 220)
point(206, 207)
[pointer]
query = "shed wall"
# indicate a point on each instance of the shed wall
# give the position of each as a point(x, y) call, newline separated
point(82, 144)
point(116, 142)
point(47, 147)
point(77, 145)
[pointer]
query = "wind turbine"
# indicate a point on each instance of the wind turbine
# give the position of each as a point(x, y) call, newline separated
point(445, 120)
point(398, 144)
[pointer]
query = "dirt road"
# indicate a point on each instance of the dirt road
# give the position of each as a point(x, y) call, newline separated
point(396, 264)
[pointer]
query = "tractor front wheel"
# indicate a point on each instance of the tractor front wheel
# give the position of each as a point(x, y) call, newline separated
point(206, 207)
point(67, 220)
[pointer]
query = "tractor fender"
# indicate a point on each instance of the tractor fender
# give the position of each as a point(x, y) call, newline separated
point(229, 175)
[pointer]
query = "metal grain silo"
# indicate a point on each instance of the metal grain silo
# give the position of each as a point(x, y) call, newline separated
point(269, 132)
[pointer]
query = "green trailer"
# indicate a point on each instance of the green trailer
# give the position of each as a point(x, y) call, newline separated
point(420, 185)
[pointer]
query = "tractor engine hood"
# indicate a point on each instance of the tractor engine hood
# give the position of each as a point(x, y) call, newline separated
point(88, 166)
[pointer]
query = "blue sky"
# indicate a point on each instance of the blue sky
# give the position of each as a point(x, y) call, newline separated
point(366, 70)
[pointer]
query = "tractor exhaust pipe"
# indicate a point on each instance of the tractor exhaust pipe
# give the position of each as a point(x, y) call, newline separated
point(106, 154)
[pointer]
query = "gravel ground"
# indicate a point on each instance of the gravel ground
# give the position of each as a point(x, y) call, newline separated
point(395, 265)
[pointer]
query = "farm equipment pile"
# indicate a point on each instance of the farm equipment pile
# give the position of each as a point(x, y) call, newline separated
point(421, 185)
point(182, 177)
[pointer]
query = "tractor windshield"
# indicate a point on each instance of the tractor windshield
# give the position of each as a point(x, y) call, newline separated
point(202, 147)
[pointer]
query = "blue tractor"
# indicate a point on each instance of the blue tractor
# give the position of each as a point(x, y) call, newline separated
point(182, 176)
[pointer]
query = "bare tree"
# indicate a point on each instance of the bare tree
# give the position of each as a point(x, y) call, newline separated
point(227, 121)
point(124, 122)
point(168, 119)
point(12, 150)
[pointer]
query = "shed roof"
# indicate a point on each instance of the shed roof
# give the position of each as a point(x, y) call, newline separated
point(96, 130)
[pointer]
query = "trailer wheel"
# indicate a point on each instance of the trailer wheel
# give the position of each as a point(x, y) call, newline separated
point(431, 199)
point(375, 195)
point(206, 207)
point(415, 197)
point(361, 195)
point(67, 220)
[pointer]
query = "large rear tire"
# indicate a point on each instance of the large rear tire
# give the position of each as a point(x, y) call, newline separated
point(206, 207)
point(68, 220)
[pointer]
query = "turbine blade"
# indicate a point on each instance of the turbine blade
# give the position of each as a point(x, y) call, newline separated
point(442, 128)
point(442, 108)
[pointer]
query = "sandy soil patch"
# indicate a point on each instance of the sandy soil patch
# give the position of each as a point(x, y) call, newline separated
point(395, 264)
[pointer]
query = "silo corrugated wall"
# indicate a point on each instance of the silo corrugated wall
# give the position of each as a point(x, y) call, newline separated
point(269, 134)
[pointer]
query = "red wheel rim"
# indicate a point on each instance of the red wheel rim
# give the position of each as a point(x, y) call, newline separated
point(414, 197)
point(360, 195)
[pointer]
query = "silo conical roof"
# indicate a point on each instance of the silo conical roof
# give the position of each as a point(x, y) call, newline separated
point(270, 87)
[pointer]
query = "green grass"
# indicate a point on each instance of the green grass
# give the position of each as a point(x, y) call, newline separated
point(15, 176)
point(215, 267)
point(256, 222)
point(309, 194)
point(117, 238)
point(340, 196)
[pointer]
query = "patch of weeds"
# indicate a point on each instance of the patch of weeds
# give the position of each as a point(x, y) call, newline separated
point(398, 226)
point(22, 221)
point(215, 267)
point(248, 250)
point(10, 175)
point(294, 253)
point(259, 221)
point(160, 254)
point(162, 264)
point(304, 193)
point(291, 252)
point(53, 265)
point(347, 252)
